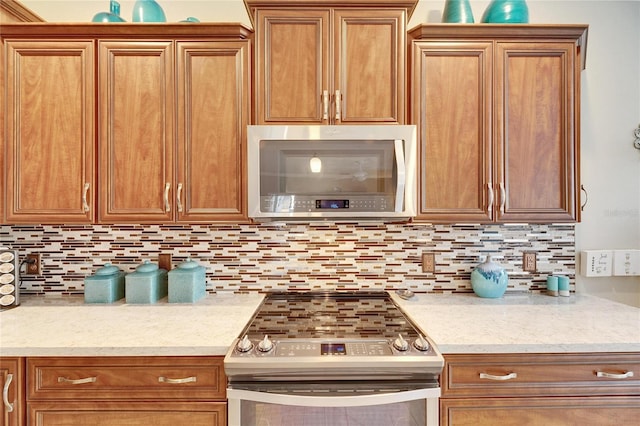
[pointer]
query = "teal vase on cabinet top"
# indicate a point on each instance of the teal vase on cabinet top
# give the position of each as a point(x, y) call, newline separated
point(148, 11)
point(112, 16)
point(489, 279)
point(457, 11)
point(506, 12)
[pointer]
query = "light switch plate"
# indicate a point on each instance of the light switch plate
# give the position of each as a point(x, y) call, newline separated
point(596, 263)
point(626, 262)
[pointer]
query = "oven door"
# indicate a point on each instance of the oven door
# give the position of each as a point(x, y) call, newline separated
point(371, 403)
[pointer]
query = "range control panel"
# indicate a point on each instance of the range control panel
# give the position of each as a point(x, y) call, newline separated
point(296, 349)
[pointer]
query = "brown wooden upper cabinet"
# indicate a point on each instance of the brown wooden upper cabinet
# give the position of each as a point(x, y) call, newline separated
point(170, 104)
point(497, 109)
point(50, 132)
point(147, 174)
point(330, 62)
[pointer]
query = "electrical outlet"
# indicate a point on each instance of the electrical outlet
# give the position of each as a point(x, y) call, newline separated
point(428, 262)
point(164, 261)
point(529, 261)
point(33, 264)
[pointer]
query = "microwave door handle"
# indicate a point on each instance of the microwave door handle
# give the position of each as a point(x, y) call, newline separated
point(400, 166)
point(344, 400)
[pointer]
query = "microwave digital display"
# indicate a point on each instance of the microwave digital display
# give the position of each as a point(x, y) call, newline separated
point(332, 204)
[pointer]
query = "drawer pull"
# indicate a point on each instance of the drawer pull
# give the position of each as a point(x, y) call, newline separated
point(77, 381)
point(624, 375)
point(5, 393)
point(492, 377)
point(163, 379)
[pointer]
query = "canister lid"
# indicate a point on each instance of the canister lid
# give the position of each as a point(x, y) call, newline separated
point(108, 269)
point(147, 267)
point(188, 264)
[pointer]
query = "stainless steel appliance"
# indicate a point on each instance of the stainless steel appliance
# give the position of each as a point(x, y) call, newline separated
point(344, 358)
point(9, 279)
point(317, 172)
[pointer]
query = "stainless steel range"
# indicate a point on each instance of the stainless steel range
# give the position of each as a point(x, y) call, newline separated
point(332, 358)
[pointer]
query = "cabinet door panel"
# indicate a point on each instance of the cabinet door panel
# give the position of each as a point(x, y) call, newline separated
point(127, 413)
point(14, 385)
point(369, 66)
point(292, 66)
point(213, 110)
point(136, 134)
point(50, 131)
point(613, 411)
point(535, 134)
point(452, 110)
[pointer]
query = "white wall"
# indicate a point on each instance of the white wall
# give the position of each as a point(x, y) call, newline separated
point(610, 107)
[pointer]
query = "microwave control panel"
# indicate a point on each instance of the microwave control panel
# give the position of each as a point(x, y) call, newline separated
point(311, 203)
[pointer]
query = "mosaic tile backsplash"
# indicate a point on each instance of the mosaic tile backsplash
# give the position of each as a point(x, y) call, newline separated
point(298, 256)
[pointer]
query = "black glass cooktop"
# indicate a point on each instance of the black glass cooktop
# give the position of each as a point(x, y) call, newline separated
point(358, 315)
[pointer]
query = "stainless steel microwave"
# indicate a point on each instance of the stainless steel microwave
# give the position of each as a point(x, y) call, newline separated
point(332, 172)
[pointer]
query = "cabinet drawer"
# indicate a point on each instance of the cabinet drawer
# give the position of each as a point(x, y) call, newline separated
point(541, 374)
point(131, 378)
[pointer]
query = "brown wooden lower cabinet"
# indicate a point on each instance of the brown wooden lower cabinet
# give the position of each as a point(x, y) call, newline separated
point(132, 391)
point(118, 413)
point(12, 383)
point(541, 389)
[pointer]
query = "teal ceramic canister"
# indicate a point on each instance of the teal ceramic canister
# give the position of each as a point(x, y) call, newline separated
point(112, 16)
point(506, 12)
point(147, 284)
point(489, 279)
point(105, 286)
point(457, 11)
point(148, 11)
point(187, 282)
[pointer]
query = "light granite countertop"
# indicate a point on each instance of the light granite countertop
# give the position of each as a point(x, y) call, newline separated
point(66, 326)
point(521, 323)
point(516, 323)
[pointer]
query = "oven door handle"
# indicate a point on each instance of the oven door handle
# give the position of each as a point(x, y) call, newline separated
point(338, 400)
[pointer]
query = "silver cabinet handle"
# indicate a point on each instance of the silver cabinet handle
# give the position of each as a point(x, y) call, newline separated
point(338, 105)
point(325, 105)
point(178, 196)
point(5, 393)
point(503, 197)
point(163, 379)
point(492, 377)
point(85, 205)
point(490, 203)
point(77, 381)
point(167, 206)
point(624, 375)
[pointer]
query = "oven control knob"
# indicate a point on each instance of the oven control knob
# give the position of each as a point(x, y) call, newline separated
point(244, 345)
point(421, 344)
point(265, 344)
point(400, 343)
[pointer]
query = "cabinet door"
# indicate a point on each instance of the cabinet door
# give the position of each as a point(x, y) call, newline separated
point(120, 413)
point(549, 411)
point(49, 147)
point(292, 66)
point(368, 66)
point(535, 133)
point(452, 108)
point(213, 111)
point(12, 381)
point(136, 140)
